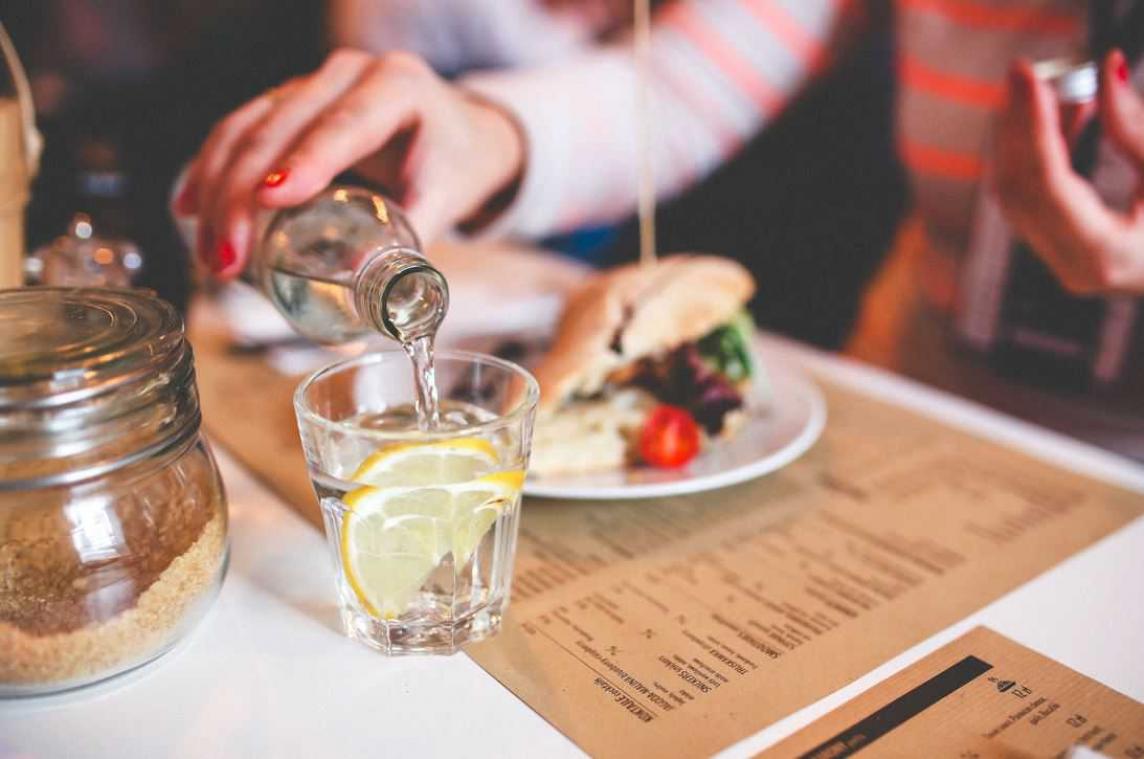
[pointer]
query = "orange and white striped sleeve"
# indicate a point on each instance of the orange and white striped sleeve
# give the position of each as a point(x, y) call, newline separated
point(719, 71)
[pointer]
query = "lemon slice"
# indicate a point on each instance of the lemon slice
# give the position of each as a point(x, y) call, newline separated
point(393, 538)
point(438, 463)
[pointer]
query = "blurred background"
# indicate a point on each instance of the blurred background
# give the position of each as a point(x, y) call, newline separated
point(126, 90)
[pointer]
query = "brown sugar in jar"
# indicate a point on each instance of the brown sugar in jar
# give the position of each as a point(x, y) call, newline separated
point(112, 514)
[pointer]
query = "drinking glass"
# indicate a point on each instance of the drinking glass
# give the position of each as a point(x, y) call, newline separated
point(421, 523)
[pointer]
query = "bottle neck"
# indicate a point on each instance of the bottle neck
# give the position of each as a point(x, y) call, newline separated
point(401, 294)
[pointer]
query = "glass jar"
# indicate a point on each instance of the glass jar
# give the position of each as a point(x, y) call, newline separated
point(112, 514)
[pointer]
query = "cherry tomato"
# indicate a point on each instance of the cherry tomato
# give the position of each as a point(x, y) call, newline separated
point(670, 437)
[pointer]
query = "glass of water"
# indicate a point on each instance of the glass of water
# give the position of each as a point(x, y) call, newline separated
point(422, 523)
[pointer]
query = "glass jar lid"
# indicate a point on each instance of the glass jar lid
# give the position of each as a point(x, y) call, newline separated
point(90, 379)
point(57, 339)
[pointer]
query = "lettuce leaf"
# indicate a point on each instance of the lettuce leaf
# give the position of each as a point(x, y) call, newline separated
point(728, 350)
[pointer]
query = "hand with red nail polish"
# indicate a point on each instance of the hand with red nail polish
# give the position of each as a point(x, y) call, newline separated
point(390, 118)
point(1091, 248)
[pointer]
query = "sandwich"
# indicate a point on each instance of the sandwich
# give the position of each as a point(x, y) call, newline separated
point(650, 364)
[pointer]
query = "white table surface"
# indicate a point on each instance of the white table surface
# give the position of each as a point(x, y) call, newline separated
point(267, 673)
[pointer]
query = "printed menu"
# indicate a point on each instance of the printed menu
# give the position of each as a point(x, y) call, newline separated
point(980, 696)
point(680, 626)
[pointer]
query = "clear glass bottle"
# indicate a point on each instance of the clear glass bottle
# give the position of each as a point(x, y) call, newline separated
point(347, 264)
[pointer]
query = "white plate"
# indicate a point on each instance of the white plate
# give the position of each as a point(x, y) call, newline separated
point(768, 441)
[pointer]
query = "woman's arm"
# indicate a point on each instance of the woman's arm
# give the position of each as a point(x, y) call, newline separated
point(719, 71)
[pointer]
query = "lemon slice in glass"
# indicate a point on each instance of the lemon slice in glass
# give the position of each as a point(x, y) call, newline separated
point(438, 463)
point(394, 537)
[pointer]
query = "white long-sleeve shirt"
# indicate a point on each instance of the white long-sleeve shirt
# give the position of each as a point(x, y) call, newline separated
point(721, 69)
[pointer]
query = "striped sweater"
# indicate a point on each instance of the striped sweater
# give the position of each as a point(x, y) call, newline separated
point(722, 69)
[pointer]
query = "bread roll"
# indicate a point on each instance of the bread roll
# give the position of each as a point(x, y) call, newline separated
point(624, 314)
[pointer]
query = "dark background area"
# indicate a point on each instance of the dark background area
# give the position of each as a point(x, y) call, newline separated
point(810, 205)
point(206, 57)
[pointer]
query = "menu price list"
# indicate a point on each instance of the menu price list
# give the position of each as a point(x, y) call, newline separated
point(680, 626)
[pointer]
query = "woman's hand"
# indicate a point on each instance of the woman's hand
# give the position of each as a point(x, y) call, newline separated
point(1091, 248)
point(441, 152)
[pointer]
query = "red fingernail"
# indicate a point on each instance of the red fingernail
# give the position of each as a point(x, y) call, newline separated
point(225, 256)
point(1122, 70)
point(276, 177)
